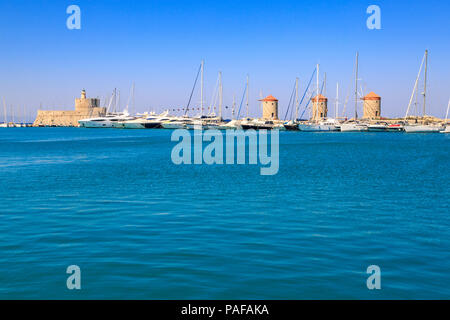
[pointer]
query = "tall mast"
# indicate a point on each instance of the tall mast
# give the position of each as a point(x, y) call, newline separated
point(118, 99)
point(415, 86)
point(132, 101)
point(201, 89)
point(4, 110)
point(337, 101)
point(448, 107)
point(317, 92)
point(425, 82)
point(220, 94)
point(247, 97)
point(233, 107)
point(325, 84)
point(115, 100)
point(356, 87)
point(296, 99)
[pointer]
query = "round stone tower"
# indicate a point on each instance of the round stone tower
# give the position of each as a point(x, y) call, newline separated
point(320, 107)
point(371, 106)
point(270, 108)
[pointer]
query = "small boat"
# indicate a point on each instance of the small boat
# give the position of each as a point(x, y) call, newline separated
point(353, 127)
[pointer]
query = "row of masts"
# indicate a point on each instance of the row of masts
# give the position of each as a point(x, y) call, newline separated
point(114, 101)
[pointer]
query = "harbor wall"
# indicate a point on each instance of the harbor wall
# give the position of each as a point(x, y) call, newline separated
point(46, 118)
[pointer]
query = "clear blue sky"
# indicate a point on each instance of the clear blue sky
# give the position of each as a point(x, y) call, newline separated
point(159, 45)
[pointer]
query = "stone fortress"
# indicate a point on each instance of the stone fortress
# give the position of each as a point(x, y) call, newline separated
point(84, 108)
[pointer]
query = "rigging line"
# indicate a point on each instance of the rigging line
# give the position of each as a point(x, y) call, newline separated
point(310, 98)
point(289, 104)
point(242, 101)
point(192, 92)
point(213, 100)
point(306, 91)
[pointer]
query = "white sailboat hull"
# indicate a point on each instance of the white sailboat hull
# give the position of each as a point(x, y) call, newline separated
point(353, 127)
point(423, 128)
point(317, 127)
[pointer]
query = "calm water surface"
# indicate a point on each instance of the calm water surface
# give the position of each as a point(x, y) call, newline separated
point(113, 203)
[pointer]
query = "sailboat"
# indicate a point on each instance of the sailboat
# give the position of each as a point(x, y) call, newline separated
point(425, 127)
point(354, 126)
point(447, 125)
point(324, 124)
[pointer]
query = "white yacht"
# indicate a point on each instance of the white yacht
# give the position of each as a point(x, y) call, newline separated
point(173, 124)
point(329, 124)
point(354, 127)
point(423, 128)
point(108, 121)
point(141, 123)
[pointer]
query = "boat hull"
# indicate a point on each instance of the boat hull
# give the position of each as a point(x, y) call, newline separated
point(353, 128)
point(291, 127)
point(317, 127)
point(376, 128)
point(423, 129)
point(255, 127)
point(173, 125)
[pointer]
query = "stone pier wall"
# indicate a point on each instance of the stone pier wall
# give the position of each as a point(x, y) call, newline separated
point(65, 118)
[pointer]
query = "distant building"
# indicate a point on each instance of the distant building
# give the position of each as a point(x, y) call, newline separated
point(319, 108)
point(371, 106)
point(84, 108)
point(270, 108)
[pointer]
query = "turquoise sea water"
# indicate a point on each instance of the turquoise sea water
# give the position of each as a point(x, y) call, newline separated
point(113, 203)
